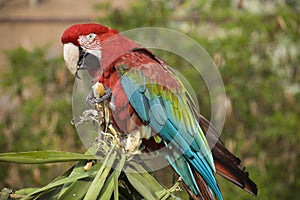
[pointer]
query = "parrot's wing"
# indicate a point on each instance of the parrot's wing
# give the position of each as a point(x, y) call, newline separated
point(159, 99)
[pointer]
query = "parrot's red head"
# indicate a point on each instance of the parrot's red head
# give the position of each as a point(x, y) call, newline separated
point(77, 32)
point(84, 40)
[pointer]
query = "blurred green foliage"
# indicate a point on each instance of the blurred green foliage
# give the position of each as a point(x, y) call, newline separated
point(35, 111)
point(255, 45)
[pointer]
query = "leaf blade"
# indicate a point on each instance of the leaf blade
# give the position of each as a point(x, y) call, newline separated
point(91, 173)
point(140, 184)
point(101, 176)
point(41, 157)
point(111, 183)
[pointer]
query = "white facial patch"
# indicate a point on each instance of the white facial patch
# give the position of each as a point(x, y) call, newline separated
point(71, 56)
point(95, 52)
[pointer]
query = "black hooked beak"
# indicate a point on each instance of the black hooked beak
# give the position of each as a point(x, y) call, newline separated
point(81, 60)
point(87, 61)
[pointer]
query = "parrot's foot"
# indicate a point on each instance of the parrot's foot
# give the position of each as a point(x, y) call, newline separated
point(93, 98)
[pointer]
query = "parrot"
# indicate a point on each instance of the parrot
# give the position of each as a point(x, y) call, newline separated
point(147, 97)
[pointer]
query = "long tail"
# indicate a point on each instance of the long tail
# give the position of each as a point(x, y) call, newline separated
point(206, 193)
point(227, 165)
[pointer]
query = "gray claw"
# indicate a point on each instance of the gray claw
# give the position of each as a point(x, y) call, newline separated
point(91, 100)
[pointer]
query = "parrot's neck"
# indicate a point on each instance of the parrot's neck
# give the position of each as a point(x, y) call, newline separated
point(113, 48)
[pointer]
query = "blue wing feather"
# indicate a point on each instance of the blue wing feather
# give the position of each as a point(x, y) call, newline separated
point(175, 125)
point(178, 163)
point(138, 101)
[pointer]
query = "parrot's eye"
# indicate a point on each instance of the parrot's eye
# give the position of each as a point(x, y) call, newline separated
point(91, 36)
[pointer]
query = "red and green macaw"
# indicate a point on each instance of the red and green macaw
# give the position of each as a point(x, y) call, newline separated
point(149, 98)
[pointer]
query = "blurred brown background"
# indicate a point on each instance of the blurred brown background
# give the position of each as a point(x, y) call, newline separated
point(34, 23)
